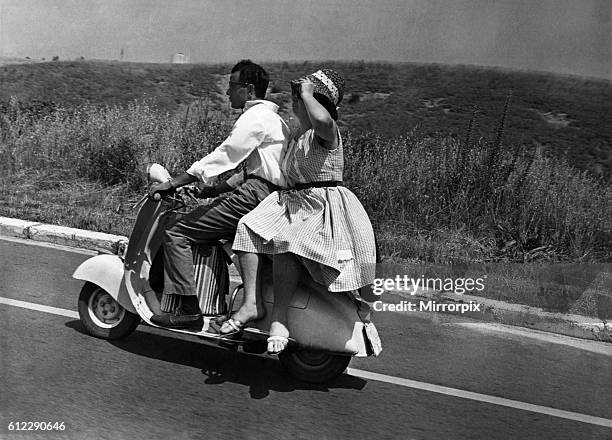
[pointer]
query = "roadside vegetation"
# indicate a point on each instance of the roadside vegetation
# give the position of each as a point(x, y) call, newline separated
point(565, 116)
point(435, 199)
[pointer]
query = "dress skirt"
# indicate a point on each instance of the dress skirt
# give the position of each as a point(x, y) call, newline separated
point(327, 228)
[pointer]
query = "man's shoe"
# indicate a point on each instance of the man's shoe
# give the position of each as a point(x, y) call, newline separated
point(179, 319)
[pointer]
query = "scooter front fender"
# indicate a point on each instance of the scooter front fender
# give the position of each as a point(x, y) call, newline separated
point(107, 272)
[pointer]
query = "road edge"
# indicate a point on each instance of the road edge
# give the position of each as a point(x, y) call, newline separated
point(500, 312)
point(490, 310)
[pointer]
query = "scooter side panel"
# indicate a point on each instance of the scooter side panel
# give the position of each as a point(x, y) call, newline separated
point(328, 322)
point(143, 236)
point(106, 271)
point(319, 320)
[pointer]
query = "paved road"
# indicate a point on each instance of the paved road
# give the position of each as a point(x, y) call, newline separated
point(156, 385)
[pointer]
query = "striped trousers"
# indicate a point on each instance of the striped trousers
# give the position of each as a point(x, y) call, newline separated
point(206, 225)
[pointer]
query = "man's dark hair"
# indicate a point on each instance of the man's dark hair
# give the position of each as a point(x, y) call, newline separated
point(251, 73)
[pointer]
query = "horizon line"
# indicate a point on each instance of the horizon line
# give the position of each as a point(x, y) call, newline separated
point(300, 61)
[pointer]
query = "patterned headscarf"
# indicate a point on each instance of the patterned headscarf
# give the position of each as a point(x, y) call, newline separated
point(328, 83)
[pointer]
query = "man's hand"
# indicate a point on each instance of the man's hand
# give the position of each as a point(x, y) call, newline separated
point(206, 192)
point(163, 189)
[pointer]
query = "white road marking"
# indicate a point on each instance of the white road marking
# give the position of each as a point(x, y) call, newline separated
point(39, 307)
point(598, 347)
point(584, 418)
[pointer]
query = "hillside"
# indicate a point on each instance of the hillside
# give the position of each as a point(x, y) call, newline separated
point(565, 116)
point(72, 83)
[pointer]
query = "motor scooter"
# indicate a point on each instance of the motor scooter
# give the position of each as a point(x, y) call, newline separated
point(327, 329)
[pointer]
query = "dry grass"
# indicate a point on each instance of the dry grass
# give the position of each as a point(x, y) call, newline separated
point(78, 203)
point(434, 199)
point(482, 202)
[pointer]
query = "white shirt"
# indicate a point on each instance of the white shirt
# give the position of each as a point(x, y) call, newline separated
point(259, 136)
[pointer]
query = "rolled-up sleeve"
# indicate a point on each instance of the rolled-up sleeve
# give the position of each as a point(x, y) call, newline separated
point(247, 134)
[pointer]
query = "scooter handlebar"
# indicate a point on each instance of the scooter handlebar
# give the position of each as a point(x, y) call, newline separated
point(188, 190)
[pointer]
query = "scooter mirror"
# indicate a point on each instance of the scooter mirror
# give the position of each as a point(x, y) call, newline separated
point(156, 173)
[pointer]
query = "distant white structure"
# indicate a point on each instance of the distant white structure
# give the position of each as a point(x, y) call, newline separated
point(180, 58)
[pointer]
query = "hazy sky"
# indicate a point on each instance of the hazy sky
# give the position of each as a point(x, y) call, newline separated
point(566, 36)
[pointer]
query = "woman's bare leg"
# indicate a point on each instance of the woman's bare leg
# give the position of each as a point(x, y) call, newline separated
point(252, 308)
point(287, 271)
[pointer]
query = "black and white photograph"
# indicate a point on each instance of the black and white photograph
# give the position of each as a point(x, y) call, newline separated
point(306, 219)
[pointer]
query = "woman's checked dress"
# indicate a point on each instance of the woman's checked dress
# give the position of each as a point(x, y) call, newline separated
point(327, 228)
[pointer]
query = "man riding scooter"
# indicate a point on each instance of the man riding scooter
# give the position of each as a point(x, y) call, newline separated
point(258, 138)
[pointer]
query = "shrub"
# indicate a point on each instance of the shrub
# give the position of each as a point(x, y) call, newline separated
point(529, 205)
point(113, 163)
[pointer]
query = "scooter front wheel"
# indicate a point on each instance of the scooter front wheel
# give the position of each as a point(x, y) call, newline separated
point(313, 366)
point(102, 316)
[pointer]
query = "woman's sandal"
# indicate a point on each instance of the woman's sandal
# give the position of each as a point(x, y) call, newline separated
point(283, 340)
point(233, 327)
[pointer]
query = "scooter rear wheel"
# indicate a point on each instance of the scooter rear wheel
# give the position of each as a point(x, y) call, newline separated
point(313, 366)
point(102, 316)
